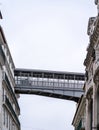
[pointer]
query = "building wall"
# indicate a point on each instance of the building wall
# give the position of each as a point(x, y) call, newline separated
point(92, 77)
point(92, 73)
point(9, 108)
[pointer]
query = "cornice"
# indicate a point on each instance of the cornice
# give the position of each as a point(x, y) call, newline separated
point(93, 40)
point(96, 2)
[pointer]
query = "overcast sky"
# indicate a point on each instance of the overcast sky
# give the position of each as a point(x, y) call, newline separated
point(48, 35)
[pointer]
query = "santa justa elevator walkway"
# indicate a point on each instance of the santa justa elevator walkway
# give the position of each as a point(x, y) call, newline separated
point(63, 85)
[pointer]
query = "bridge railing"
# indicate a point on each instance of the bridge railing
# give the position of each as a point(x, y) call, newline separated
point(48, 83)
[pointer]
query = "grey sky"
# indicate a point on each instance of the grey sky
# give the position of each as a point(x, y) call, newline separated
point(52, 35)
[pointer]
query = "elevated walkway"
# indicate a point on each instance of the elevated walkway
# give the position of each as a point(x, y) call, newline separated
point(63, 85)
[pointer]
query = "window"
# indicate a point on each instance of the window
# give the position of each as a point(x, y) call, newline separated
point(2, 94)
point(9, 123)
point(3, 115)
point(7, 119)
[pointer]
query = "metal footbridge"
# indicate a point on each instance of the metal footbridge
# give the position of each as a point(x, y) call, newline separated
point(63, 85)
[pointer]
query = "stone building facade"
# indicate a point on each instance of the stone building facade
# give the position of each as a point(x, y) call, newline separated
point(9, 108)
point(91, 63)
point(79, 120)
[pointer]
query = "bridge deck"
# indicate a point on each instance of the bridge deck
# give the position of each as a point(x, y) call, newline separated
point(64, 85)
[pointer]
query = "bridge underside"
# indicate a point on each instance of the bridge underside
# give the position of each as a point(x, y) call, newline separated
point(56, 93)
point(60, 85)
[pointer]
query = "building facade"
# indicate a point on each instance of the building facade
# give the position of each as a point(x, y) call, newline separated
point(79, 121)
point(9, 108)
point(91, 94)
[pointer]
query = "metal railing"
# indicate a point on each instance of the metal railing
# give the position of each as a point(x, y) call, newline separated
point(36, 83)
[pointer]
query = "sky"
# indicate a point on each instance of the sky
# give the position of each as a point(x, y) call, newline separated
point(48, 35)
